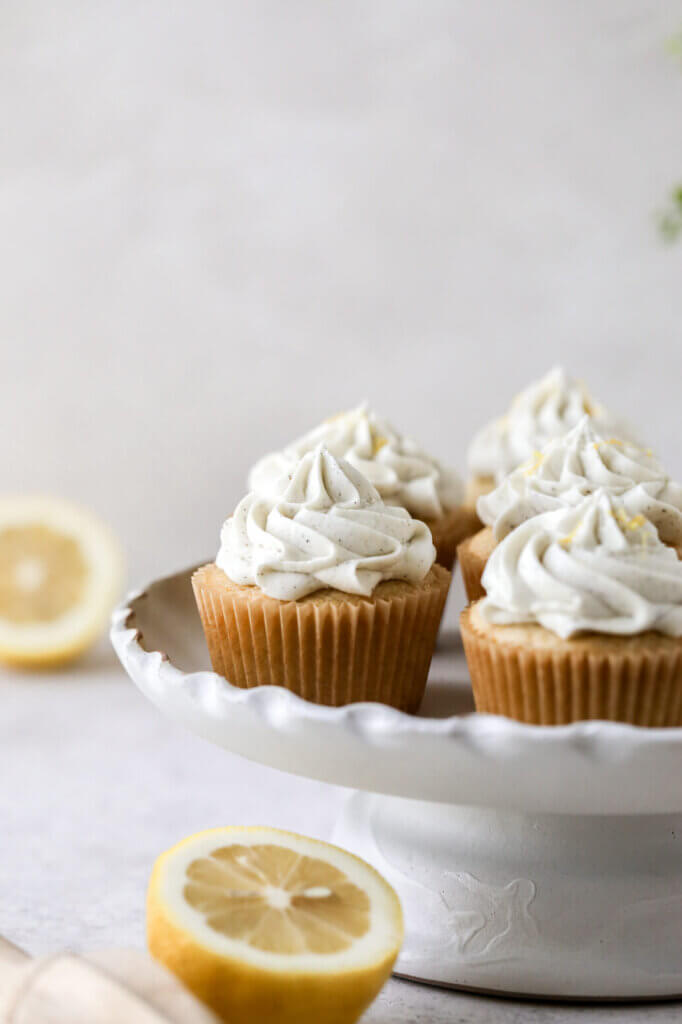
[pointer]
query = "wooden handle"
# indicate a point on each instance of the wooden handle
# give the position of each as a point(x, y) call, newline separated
point(11, 954)
point(66, 989)
point(103, 988)
point(12, 960)
point(13, 963)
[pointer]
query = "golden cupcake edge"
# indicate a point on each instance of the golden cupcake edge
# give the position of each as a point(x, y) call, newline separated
point(528, 673)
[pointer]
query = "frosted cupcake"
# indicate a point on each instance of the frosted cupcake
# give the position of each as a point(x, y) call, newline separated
point(548, 408)
point(324, 589)
point(403, 474)
point(564, 473)
point(582, 619)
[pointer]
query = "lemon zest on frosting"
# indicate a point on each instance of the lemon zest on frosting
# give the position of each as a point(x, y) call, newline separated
point(627, 523)
point(570, 537)
point(338, 416)
point(533, 464)
point(616, 442)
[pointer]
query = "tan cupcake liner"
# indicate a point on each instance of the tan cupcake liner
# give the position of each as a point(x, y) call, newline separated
point(330, 648)
point(637, 681)
point(450, 530)
point(473, 553)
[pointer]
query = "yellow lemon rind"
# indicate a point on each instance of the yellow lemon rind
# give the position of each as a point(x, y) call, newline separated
point(240, 991)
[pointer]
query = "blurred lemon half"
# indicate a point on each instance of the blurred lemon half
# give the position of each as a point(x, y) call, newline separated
point(60, 573)
point(265, 925)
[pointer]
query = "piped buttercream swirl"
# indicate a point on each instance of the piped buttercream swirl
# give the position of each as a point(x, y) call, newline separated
point(547, 409)
point(587, 568)
point(399, 469)
point(323, 525)
point(569, 468)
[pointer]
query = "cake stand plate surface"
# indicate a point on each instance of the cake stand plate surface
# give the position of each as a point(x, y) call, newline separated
point(529, 860)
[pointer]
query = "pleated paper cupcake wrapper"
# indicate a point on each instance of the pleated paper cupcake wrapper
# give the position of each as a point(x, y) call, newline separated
point(449, 532)
point(471, 565)
point(327, 651)
point(544, 687)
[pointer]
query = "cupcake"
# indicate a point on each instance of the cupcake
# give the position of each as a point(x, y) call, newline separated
point(403, 474)
point(582, 619)
point(324, 589)
point(563, 473)
point(547, 409)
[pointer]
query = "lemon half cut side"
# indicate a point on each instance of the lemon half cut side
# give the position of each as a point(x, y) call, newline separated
point(265, 925)
point(60, 574)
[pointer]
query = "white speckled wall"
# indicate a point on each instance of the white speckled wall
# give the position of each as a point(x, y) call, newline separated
point(221, 221)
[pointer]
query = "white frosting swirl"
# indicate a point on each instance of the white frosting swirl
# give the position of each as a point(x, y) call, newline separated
point(401, 471)
point(545, 410)
point(573, 466)
point(586, 568)
point(326, 526)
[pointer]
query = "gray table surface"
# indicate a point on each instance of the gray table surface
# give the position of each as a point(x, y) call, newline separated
point(95, 783)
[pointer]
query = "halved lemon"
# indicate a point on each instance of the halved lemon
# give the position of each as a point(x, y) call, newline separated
point(60, 572)
point(265, 925)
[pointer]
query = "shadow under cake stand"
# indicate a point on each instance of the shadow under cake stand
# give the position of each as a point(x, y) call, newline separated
point(528, 860)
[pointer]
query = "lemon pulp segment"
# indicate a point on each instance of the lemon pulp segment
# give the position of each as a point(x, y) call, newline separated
point(277, 900)
point(42, 573)
point(60, 569)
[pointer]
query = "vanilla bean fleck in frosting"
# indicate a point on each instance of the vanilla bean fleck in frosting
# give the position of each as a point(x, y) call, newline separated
point(323, 525)
point(577, 464)
point(401, 471)
point(588, 568)
point(547, 409)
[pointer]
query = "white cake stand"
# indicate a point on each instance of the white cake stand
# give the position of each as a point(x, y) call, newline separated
point(533, 861)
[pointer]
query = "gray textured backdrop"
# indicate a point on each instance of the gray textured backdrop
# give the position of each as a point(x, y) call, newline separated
point(220, 222)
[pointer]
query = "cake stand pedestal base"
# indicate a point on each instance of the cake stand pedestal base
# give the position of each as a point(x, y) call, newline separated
point(562, 906)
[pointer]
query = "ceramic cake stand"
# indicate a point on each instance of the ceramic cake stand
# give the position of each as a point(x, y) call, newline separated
point(529, 860)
